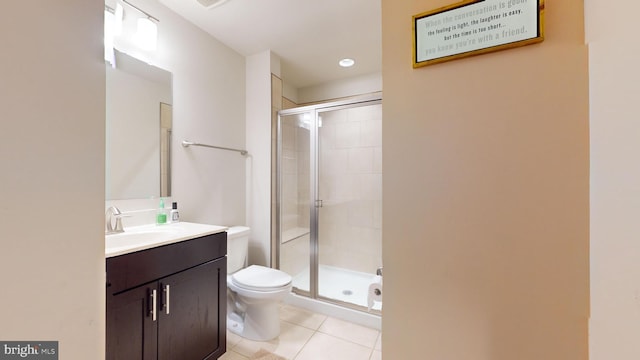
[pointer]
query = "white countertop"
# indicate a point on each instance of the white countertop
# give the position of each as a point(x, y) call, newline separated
point(136, 238)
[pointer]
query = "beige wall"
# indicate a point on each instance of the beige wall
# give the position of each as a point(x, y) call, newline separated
point(52, 175)
point(486, 195)
point(614, 55)
point(258, 109)
point(340, 89)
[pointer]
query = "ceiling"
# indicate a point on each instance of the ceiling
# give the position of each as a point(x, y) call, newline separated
point(310, 37)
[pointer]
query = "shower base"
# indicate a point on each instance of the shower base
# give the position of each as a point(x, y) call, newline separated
point(339, 284)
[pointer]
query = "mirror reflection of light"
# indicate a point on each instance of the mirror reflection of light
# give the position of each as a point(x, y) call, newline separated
point(305, 121)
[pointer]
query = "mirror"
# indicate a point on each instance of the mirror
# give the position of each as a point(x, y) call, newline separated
point(138, 130)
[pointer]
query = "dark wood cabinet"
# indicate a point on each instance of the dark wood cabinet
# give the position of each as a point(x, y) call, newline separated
point(188, 327)
point(131, 332)
point(168, 302)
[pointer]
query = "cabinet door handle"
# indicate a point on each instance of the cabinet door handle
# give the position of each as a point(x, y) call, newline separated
point(152, 305)
point(167, 294)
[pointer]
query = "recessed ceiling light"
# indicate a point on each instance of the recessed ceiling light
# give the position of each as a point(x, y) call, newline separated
point(346, 62)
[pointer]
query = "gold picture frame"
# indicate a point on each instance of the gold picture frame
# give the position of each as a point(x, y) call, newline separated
point(475, 27)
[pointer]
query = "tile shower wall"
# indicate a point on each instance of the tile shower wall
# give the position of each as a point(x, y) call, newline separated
point(350, 179)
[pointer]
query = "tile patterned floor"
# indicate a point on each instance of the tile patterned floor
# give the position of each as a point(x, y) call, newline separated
point(309, 336)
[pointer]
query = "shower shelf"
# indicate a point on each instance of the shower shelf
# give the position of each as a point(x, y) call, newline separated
point(294, 233)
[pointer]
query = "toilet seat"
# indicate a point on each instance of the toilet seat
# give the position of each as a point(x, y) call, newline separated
point(261, 278)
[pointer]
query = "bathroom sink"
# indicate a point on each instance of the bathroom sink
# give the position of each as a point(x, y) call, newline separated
point(137, 238)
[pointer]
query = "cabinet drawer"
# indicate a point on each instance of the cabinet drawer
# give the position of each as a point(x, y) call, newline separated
point(130, 270)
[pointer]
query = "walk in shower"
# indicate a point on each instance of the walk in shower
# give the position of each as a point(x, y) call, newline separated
point(329, 200)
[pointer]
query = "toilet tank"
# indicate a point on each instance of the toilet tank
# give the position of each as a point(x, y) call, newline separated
point(237, 248)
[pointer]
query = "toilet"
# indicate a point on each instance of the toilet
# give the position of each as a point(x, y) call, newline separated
point(254, 293)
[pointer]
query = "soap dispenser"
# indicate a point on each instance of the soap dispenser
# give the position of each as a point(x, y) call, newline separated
point(161, 216)
point(174, 215)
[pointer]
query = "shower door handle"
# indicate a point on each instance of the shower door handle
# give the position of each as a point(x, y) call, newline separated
point(318, 203)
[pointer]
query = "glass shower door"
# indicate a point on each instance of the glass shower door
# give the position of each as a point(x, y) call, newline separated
point(293, 207)
point(329, 199)
point(349, 205)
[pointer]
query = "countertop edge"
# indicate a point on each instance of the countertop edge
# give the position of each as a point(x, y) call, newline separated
point(205, 229)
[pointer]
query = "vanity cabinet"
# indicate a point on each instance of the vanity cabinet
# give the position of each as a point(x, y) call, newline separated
point(168, 302)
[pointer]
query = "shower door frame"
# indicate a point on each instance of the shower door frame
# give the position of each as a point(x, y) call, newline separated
point(314, 201)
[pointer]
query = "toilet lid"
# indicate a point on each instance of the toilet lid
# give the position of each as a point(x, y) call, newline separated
point(261, 278)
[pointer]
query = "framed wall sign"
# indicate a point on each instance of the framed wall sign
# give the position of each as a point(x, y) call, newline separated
point(475, 27)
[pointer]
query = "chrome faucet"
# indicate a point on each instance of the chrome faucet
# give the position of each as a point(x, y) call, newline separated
point(113, 212)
